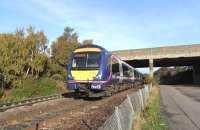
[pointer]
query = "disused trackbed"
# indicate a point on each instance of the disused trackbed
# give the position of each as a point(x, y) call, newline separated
point(62, 113)
point(6, 106)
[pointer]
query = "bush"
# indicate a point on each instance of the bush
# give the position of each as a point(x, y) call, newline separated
point(148, 80)
point(153, 119)
point(32, 88)
point(175, 75)
point(1, 93)
point(57, 77)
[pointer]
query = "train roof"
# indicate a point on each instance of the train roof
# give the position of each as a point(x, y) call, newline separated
point(90, 47)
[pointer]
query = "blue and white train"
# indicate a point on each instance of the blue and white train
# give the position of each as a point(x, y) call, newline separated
point(97, 72)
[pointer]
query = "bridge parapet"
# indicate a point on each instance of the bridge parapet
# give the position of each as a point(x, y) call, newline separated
point(185, 55)
point(160, 52)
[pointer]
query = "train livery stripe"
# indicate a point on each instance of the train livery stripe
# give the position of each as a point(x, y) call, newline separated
point(89, 81)
point(84, 74)
point(87, 50)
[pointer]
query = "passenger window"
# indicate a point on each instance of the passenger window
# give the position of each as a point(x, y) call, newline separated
point(126, 71)
point(115, 66)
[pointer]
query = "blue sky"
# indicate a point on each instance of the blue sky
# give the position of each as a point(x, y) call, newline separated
point(113, 24)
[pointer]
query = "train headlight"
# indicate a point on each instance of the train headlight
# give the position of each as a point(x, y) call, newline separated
point(96, 86)
point(98, 77)
point(69, 77)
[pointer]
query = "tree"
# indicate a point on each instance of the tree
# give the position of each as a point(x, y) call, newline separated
point(63, 46)
point(22, 53)
point(88, 42)
point(36, 45)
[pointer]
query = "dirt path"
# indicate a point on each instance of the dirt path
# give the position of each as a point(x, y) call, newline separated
point(65, 113)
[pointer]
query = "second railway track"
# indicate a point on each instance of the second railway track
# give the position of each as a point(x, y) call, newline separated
point(30, 101)
point(62, 113)
point(6, 106)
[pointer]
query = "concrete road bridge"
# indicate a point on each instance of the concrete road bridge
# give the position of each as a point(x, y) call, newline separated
point(184, 55)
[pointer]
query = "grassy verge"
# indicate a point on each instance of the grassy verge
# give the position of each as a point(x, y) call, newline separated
point(33, 88)
point(152, 118)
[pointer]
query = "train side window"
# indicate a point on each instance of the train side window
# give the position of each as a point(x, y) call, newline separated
point(126, 70)
point(131, 73)
point(136, 73)
point(115, 66)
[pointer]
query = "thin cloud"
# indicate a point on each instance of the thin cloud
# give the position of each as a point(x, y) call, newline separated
point(128, 24)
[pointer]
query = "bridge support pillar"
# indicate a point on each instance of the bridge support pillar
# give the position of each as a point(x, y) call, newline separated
point(196, 74)
point(151, 69)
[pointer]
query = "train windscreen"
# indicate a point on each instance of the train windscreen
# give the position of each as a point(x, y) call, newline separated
point(86, 61)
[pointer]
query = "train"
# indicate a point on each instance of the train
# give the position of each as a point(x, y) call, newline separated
point(95, 72)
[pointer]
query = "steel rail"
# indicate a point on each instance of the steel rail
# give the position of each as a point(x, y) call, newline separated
point(30, 101)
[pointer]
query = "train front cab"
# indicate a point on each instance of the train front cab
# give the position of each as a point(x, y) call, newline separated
point(88, 70)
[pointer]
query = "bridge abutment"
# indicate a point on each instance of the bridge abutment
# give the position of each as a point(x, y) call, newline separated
point(196, 74)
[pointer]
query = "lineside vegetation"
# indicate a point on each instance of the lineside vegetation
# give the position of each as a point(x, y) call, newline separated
point(152, 117)
point(29, 67)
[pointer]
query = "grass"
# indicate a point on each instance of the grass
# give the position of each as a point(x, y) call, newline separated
point(153, 119)
point(33, 88)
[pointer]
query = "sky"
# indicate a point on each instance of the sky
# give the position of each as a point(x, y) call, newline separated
point(113, 24)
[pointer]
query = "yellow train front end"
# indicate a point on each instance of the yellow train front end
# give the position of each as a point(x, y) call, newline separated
point(84, 68)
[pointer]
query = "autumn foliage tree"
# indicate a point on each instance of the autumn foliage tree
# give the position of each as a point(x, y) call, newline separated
point(22, 54)
point(61, 50)
point(63, 46)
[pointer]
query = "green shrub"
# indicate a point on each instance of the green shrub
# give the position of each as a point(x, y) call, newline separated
point(148, 80)
point(57, 77)
point(153, 118)
point(1, 93)
point(32, 88)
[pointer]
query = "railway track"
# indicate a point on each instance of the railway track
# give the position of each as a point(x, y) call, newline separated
point(61, 113)
point(6, 106)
